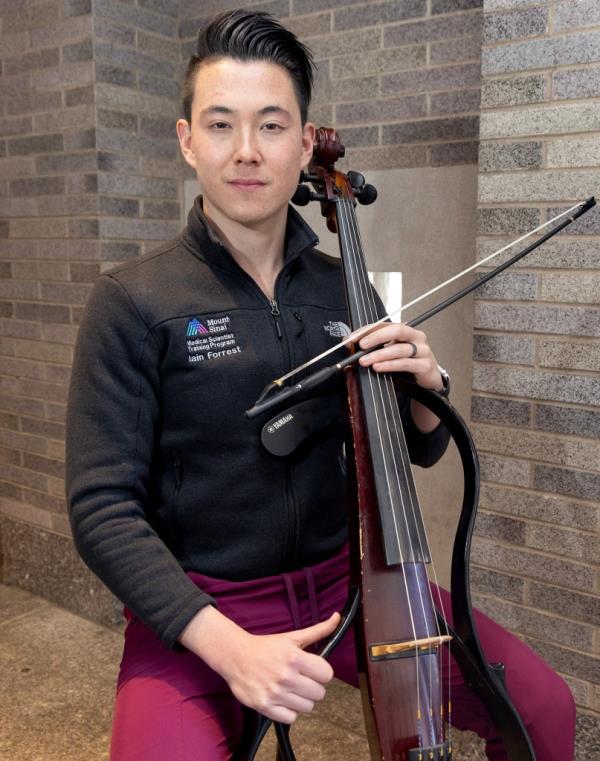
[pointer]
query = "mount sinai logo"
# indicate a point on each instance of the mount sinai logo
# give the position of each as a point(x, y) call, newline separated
point(210, 339)
point(196, 328)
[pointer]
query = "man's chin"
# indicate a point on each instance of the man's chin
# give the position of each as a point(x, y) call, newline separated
point(255, 215)
point(251, 213)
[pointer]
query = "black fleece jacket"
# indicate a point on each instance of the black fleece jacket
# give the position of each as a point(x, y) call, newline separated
point(164, 473)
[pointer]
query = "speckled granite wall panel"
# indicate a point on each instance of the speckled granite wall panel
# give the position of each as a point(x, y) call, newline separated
point(47, 563)
point(535, 377)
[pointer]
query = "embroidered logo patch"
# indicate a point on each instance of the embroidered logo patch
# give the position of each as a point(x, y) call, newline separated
point(210, 339)
point(336, 329)
point(196, 328)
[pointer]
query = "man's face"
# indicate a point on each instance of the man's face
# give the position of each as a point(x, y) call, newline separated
point(246, 141)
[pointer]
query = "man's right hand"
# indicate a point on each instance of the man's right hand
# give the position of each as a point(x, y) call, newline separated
point(270, 673)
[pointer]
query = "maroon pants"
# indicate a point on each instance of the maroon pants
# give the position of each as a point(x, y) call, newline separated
point(170, 705)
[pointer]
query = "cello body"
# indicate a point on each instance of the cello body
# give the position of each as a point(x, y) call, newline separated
point(402, 639)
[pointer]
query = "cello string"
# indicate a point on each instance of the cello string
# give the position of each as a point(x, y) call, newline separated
point(395, 433)
point(375, 378)
point(383, 382)
point(399, 432)
point(357, 334)
point(370, 313)
point(364, 317)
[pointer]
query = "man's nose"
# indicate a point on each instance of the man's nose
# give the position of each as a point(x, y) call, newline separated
point(246, 149)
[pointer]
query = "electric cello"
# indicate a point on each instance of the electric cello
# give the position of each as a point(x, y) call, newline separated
point(402, 632)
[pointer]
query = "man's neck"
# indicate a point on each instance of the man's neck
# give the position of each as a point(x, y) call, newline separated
point(259, 249)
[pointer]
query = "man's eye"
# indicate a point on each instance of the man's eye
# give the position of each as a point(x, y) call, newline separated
point(219, 125)
point(272, 127)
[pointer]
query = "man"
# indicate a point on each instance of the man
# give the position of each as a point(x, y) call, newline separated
point(231, 563)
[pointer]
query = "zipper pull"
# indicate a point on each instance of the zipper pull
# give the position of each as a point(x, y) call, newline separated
point(276, 313)
point(298, 317)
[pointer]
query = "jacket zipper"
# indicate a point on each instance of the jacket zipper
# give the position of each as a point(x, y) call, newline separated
point(292, 511)
point(276, 314)
point(291, 548)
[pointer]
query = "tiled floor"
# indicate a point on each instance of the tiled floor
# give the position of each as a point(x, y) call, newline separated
point(57, 676)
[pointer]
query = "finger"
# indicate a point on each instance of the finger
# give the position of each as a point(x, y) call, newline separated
point(296, 703)
point(415, 366)
point(361, 332)
point(392, 331)
point(316, 632)
point(315, 667)
point(405, 350)
point(307, 688)
point(280, 713)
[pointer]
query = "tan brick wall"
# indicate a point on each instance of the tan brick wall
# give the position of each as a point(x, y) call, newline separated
point(535, 407)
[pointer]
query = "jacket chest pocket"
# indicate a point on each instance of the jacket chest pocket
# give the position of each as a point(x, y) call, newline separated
point(176, 474)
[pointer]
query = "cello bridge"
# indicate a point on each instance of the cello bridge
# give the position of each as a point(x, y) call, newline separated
point(435, 753)
point(423, 646)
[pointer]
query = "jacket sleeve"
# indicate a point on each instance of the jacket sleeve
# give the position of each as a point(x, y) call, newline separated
point(111, 424)
point(424, 449)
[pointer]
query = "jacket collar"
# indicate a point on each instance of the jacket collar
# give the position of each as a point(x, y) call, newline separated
point(204, 242)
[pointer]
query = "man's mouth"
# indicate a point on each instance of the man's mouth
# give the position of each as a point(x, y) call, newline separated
point(247, 183)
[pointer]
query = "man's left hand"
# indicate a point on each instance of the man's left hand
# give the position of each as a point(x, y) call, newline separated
point(402, 349)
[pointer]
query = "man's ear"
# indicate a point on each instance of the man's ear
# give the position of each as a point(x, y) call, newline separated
point(184, 134)
point(308, 138)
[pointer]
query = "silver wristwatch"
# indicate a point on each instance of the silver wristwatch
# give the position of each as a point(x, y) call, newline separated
point(445, 390)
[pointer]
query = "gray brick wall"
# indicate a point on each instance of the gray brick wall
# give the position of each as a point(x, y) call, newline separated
point(90, 177)
point(535, 406)
point(48, 148)
point(400, 79)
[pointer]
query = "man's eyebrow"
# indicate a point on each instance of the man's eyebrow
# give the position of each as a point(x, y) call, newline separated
point(273, 110)
point(217, 110)
point(263, 111)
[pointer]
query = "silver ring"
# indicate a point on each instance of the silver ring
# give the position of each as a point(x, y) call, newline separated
point(414, 350)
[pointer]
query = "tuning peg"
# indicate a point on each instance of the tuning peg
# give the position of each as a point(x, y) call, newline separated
point(302, 196)
point(308, 177)
point(367, 194)
point(357, 180)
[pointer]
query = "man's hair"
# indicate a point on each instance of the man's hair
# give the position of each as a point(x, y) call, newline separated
point(248, 36)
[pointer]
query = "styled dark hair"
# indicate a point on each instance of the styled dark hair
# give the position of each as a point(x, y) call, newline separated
point(251, 36)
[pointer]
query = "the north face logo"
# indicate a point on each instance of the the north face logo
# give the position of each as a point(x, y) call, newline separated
point(336, 329)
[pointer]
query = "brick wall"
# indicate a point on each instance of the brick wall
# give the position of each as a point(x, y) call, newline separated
point(400, 78)
point(90, 177)
point(536, 394)
point(49, 206)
